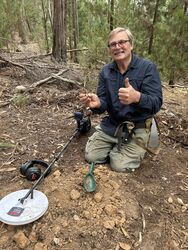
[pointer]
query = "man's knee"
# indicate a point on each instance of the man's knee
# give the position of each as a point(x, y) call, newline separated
point(124, 165)
point(91, 157)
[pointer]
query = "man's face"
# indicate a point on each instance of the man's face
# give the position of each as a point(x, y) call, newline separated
point(120, 47)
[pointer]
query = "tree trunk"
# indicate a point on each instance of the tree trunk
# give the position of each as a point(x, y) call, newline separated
point(59, 50)
point(186, 7)
point(45, 26)
point(22, 23)
point(75, 29)
point(152, 27)
point(111, 14)
point(50, 13)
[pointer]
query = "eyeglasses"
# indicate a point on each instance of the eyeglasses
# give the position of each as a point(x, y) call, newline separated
point(120, 43)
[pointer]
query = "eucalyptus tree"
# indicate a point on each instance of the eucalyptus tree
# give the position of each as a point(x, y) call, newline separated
point(59, 50)
point(72, 29)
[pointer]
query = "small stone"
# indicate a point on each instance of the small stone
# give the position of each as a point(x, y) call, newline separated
point(57, 173)
point(184, 208)
point(110, 209)
point(180, 201)
point(65, 224)
point(124, 246)
point(170, 200)
point(40, 246)
point(86, 214)
point(74, 194)
point(109, 224)
point(20, 89)
point(98, 197)
point(57, 241)
point(99, 211)
point(120, 221)
point(76, 217)
point(56, 229)
point(21, 240)
point(94, 233)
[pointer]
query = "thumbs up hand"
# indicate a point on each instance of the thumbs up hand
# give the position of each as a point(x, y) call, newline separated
point(127, 84)
point(128, 94)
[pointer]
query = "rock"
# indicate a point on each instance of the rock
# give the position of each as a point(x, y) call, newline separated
point(120, 221)
point(56, 229)
point(76, 217)
point(109, 224)
point(57, 173)
point(74, 194)
point(86, 214)
point(57, 241)
point(184, 208)
point(99, 211)
point(64, 222)
point(40, 246)
point(124, 246)
point(180, 201)
point(170, 200)
point(20, 89)
point(98, 197)
point(21, 240)
point(94, 233)
point(110, 209)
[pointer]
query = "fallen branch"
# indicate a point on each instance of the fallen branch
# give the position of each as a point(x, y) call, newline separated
point(39, 83)
point(178, 86)
point(177, 140)
point(7, 169)
point(13, 63)
point(39, 66)
point(17, 65)
point(174, 103)
point(66, 80)
point(143, 223)
point(3, 105)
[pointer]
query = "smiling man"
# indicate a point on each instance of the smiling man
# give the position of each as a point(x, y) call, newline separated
point(130, 91)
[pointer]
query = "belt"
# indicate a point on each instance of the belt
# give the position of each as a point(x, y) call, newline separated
point(126, 129)
point(139, 125)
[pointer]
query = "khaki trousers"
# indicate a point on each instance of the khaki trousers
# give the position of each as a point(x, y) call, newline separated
point(100, 146)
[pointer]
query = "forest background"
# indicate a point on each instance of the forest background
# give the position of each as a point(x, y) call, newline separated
point(76, 30)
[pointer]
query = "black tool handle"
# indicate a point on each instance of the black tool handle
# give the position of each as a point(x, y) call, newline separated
point(48, 168)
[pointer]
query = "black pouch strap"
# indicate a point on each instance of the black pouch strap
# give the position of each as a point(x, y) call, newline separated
point(124, 132)
point(126, 129)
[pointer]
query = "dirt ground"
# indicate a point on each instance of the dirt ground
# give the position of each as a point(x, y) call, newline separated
point(146, 209)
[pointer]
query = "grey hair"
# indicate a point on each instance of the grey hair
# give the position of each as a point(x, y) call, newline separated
point(119, 29)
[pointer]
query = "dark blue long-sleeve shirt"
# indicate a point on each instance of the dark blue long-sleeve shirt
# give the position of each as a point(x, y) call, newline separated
point(144, 77)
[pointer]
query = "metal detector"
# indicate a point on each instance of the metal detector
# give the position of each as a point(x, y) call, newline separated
point(18, 208)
